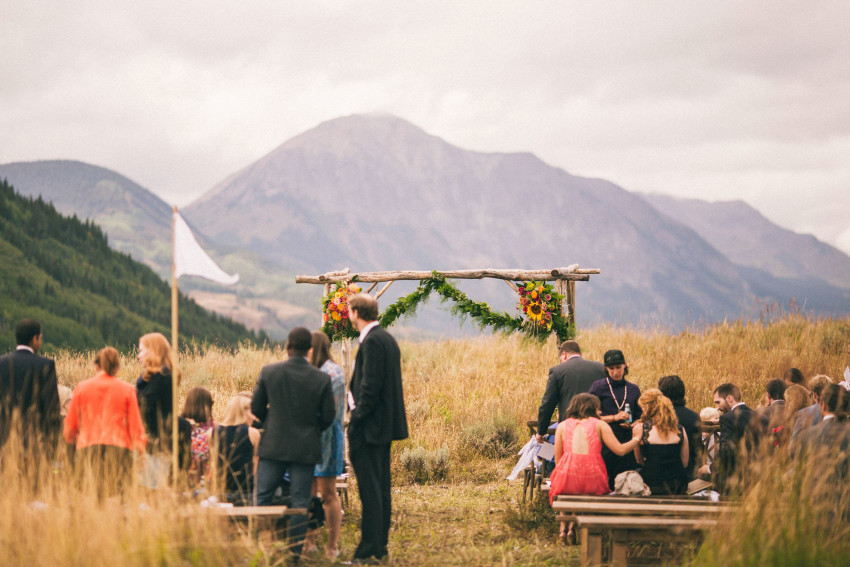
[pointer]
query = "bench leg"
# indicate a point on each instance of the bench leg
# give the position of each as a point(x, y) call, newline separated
point(591, 548)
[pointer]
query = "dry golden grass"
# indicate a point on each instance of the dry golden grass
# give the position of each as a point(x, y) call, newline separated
point(473, 517)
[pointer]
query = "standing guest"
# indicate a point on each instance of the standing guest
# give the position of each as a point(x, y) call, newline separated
point(29, 396)
point(579, 468)
point(794, 376)
point(235, 443)
point(674, 388)
point(710, 432)
point(796, 398)
point(574, 375)
point(376, 402)
point(154, 389)
point(333, 439)
point(809, 416)
point(105, 425)
point(663, 450)
point(734, 424)
point(197, 410)
point(618, 401)
point(294, 400)
point(65, 395)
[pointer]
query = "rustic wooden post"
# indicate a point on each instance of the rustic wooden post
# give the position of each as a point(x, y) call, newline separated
point(571, 301)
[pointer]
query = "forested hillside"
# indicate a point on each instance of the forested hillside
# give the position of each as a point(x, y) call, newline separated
point(61, 271)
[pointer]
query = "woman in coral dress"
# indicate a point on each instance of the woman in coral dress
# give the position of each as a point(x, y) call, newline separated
point(579, 468)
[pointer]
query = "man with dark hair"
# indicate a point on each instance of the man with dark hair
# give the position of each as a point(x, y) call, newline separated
point(29, 395)
point(376, 401)
point(809, 416)
point(574, 375)
point(734, 421)
point(794, 376)
point(674, 388)
point(295, 402)
point(829, 440)
point(772, 415)
point(618, 403)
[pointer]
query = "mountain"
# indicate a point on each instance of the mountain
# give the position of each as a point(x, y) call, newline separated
point(138, 223)
point(376, 192)
point(778, 264)
point(747, 238)
point(61, 271)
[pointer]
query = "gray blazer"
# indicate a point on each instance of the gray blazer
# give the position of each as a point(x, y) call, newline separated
point(295, 402)
point(575, 376)
point(806, 417)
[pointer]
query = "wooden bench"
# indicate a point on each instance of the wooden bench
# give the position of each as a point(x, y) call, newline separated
point(608, 525)
point(531, 479)
point(342, 488)
point(256, 515)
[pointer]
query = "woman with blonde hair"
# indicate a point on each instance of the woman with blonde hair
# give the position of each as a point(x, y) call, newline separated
point(105, 425)
point(796, 398)
point(663, 450)
point(234, 443)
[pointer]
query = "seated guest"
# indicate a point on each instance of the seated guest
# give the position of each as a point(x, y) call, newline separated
point(105, 424)
point(198, 412)
point(794, 376)
point(663, 450)
point(770, 416)
point(796, 398)
point(710, 432)
point(674, 388)
point(735, 417)
point(828, 442)
point(809, 416)
point(235, 448)
point(579, 468)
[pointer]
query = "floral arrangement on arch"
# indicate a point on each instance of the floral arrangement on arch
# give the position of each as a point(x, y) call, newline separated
point(539, 302)
point(335, 311)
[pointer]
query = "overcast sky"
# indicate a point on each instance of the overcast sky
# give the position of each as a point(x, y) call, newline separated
point(712, 100)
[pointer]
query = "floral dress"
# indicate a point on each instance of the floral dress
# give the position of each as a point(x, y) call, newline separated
point(333, 437)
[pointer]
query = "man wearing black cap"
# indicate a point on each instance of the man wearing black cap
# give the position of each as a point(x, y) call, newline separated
point(618, 403)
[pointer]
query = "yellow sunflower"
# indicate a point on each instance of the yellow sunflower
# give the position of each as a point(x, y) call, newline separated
point(535, 312)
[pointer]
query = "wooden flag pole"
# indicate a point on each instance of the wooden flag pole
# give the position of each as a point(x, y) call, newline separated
point(174, 357)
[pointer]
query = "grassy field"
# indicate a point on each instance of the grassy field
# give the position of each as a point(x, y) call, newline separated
point(458, 392)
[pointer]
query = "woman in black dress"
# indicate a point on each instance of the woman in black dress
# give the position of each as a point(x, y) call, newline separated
point(663, 450)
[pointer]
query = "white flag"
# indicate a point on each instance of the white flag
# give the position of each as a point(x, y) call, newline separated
point(191, 260)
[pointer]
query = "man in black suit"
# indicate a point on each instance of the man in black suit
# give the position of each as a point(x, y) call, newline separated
point(376, 401)
point(29, 395)
point(295, 402)
point(574, 375)
point(734, 424)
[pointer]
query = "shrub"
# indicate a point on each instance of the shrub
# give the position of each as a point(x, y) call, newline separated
point(495, 438)
point(426, 466)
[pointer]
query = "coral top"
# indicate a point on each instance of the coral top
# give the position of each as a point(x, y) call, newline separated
point(105, 411)
point(579, 473)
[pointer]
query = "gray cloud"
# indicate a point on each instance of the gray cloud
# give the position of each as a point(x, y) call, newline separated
point(718, 101)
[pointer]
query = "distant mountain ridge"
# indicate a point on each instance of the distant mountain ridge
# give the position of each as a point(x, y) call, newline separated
point(61, 271)
point(376, 192)
point(138, 223)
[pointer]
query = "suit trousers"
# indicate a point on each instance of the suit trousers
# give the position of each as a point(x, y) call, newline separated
point(371, 463)
point(270, 474)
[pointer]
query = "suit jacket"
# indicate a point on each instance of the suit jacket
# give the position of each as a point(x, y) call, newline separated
point(690, 421)
point(806, 417)
point(828, 443)
point(734, 427)
point(376, 387)
point(574, 376)
point(28, 388)
point(295, 402)
point(768, 418)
